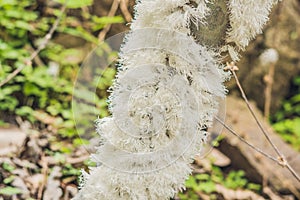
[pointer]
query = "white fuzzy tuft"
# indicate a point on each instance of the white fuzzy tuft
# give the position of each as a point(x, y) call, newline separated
point(269, 56)
point(247, 18)
point(163, 98)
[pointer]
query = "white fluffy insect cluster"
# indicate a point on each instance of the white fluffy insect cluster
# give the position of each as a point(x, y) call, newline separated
point(269, 56)
point(247, 18)
point(164, 97)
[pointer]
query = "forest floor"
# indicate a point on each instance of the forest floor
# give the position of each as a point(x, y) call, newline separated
point(36, 166)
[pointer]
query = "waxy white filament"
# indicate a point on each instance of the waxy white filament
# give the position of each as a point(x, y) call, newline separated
point(164, 97)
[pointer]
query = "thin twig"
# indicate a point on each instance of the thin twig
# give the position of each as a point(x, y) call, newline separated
point(125, 11)
point(38, 61)
point(280, 162)
point(43, 44)
point(269, 79)
point(45, 177)
point(233, 68)
point(281, 159)
point(246, 142)
point(290, 168)
point(112, 12)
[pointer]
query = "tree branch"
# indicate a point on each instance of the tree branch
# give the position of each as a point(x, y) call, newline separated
point(112, 12)
point(125, 11)
point(281, 159)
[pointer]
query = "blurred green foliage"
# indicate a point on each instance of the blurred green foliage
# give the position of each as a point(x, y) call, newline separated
point(286, 121)
point(9, 191)
point(206, 183)
point(42, 92)
point(76, 3)
point(8, 167)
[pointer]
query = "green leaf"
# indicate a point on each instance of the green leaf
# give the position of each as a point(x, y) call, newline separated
point(202, 177)
point(30, 16)
point(67, 114)
point(80, 141)
point(10, 54)
point(69, 170)
point(14, 14)
point(9, 191)
point(191, 182)
point(253, 186)
point(235, 179)
point(295, 99)
point(8, 167)
point(183, 196)
point(76, 3)
point(59, 157)
point(71, 56)
point(23, 25)
point(207, 187)
point(80, 32)
point(26, 111)
point(8, 2)
point(55, 108)
point(9, 179)
point(8, 103)
point(297, 81)
point(8, 90)
point(31, 89)
point(101, 22)
point(289, 130)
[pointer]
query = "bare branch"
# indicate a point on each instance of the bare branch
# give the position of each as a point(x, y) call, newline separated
point(112, 12)
point(246, 142)
point(281, 159)
point(125, 11)
point(234, 68)
point(269, 79)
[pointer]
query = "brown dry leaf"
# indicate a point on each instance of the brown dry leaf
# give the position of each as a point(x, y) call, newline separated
point(43, 142)
point(33, 150)
point(58, 145)
point(44, 117)
point(35, 181)
point(22, 173)
point(237, 194)
point(204, 162)
point(69, 179)
point(19, 183)
point(70, 191)
point(11, 140)
point(219, 159)
point(53, 191)
point(24, 163)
